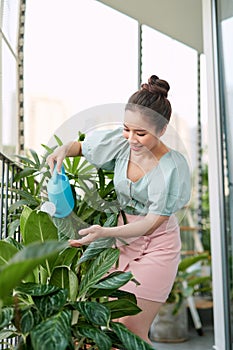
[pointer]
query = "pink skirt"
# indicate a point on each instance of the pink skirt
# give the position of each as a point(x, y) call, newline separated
point(152, 259)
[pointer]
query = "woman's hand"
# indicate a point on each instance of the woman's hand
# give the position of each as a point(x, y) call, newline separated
point(57, 156)
point(71, 149)
point(90, 234)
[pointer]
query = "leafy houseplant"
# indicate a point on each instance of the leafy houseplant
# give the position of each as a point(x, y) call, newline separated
point(53, 296)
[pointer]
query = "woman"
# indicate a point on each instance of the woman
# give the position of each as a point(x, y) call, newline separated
point(152, 182)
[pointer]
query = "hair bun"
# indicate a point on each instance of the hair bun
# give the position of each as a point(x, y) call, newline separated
point(156, 86)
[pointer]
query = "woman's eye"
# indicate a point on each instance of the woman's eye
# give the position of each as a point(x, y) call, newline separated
point(141, 134)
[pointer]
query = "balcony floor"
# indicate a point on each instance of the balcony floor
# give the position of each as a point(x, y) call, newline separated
point(195, 342)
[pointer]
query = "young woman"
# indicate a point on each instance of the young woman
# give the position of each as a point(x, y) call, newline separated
point(152, 182)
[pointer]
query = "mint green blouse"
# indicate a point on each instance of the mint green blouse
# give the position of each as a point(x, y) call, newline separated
point(164, 190)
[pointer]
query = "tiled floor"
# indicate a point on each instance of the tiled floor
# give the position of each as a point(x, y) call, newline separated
point(195, 342)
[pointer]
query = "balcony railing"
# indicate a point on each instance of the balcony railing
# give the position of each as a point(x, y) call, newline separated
point(8, 195)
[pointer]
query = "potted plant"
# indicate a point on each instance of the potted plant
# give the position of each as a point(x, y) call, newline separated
point(53, 296)
point(171, 323)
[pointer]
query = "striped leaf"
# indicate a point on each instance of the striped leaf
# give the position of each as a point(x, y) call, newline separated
point(114, 281)
point(129, 340)
point(94, 312)
point(35, 289)
point(50, 304)
point(53, 333)
point(101, 339)
point(98, 269)
point(96, 247)
point(6, 316)
point(27, 321)
point(122, 307)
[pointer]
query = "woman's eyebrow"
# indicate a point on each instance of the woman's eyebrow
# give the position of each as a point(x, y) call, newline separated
point(134, 129)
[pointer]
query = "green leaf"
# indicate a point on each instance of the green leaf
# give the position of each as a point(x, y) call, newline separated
point(67, 257)
point(101, 339)
point(22, 263)
point(96, 247)
point(35, 289)
point(50, 304)
point(6, 315)
point(189, 261)
point(94, 312)
point(63, 277)
point(26, 322)
point(23, 218)
point(24, 173)
point(12, 227)
point(38, 227)
point(114, 281)
point(18, 204)
point(35, 157)
point(121, 294)
point(54, 333)
point(7, 250)
point(129, 340)
point(122, 307)
point(98, 269)
point(5, 334)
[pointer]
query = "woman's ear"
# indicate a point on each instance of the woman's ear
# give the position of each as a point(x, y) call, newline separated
point(162, 132)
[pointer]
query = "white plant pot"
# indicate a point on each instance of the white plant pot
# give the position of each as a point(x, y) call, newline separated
point(169, 328)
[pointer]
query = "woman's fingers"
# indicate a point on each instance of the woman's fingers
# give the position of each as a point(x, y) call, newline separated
point(83, 241)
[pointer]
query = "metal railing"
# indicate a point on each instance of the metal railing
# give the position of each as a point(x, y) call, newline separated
point(8, 169)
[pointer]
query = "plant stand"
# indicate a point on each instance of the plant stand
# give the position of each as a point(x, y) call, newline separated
point(169, 328)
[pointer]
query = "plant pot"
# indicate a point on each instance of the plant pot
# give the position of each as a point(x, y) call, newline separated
point(169, 328)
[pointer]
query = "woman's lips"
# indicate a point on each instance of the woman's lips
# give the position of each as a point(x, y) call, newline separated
point(135, 148)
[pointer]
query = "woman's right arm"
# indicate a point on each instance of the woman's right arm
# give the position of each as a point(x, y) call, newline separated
point(71, 149)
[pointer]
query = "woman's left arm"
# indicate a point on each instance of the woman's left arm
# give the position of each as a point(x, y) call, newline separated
point(135, 229)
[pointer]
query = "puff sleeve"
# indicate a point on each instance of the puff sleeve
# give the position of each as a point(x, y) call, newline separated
point(102, 147)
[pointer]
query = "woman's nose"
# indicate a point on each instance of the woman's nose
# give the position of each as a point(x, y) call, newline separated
point(131, 136)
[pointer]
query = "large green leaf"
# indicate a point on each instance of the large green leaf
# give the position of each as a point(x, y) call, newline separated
point(96, 247)
point(101, 339)
point(39, 227)
point(50, 304)
point(94, 312)
point(129, 340)
point(98, 269)
point(23, 218)
point(122, 307)
point(26, 320)
point(64, 277)
point(114, 281)
point(67, 257)
point(22, 263)
point(7, 250)
point(53, 333)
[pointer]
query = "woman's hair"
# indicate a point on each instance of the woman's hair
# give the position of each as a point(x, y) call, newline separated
point(151, 100)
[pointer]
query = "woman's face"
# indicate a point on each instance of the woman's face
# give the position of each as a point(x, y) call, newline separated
point(140, 132)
